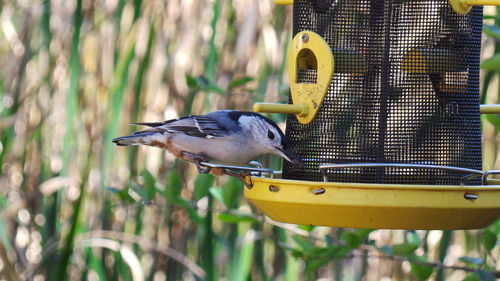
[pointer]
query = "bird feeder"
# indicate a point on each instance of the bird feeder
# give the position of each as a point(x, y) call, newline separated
point(384, 111)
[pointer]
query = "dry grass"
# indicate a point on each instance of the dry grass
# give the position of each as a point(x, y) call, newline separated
point(75, 73)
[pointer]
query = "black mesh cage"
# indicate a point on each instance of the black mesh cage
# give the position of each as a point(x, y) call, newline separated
point(405, 90)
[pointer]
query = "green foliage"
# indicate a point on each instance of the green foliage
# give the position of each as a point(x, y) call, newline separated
point(492, 63)
point(149, 185)
point(203, 83)
point(87, 72)
point(489, 239)
point(239, 82)
point(237, 217)
point(422, 272)
point(491, 30)
point(202, 185)
point(173, 186)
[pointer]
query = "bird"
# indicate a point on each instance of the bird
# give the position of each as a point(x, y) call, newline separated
point(223, 136)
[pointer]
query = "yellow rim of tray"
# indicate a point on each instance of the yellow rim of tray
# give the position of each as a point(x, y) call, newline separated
point(376, 205)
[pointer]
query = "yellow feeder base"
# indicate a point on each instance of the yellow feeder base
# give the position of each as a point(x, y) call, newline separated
point(383, 206)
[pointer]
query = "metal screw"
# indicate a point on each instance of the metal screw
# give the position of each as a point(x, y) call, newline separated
point(471, 197)
point(319, 191)
point(273, 188)
point(305, 37)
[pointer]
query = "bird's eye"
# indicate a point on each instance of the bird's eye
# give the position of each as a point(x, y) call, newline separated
point(270, 135)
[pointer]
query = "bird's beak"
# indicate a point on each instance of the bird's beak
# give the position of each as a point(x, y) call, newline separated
point(291, 157)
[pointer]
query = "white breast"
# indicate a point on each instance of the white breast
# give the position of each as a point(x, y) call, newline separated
point(228, 150)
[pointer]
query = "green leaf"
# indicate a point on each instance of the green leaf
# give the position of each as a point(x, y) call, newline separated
point(237, 217)
point(337, 251)
point(472, 277)
point(489, 239)
point(314, 264)
point(303, 243)
point(472, 261)
point(404, 249)
point(493, 119)
point(203, 83)
point(306, 227)
point(422, 272)
point(172, 194)
point(231, 192)
point(217, 194)
point(228, 194)
point(492, 63)
point(363, 232)
point(491, 30)
point(201, 185)
point(491, 17)
point(191, 82)
point(173, 187)
point(214, 88)
point(239, 82)
point(149, 184)
point(122, 194)
point(352, 239)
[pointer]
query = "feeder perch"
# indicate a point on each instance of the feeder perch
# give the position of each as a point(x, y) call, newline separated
point(385, 115)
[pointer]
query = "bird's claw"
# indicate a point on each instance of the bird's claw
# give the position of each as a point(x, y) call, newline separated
point(244, 177)
point(200, 168)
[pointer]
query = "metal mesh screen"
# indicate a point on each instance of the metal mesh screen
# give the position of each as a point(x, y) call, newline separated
point(405, 90)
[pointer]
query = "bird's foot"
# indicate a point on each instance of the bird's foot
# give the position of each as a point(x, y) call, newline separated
point(244, 177)
point(196, 159)
point(202, 169)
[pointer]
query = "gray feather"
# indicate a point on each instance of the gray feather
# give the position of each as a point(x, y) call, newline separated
point(134, 139)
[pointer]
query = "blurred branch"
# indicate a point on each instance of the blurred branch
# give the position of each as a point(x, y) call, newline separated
point(148, 244)
point(127, 254)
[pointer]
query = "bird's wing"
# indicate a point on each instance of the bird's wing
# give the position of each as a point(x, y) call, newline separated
point(202, 126)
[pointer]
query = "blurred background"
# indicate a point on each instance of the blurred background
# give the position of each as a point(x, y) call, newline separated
point(74, 207)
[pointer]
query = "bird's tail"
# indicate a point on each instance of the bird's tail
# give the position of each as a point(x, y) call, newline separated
point(136, 138)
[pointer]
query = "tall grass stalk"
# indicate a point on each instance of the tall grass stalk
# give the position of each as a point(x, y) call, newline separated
point(68, 143)
point(117, 93)
point(444, 244)
point(138, 87)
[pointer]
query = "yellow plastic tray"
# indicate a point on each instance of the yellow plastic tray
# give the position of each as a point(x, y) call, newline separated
point(376, 205)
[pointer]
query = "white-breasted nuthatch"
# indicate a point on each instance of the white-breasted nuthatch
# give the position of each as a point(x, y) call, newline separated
point(223, 136)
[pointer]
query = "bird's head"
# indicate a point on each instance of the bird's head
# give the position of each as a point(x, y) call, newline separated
point(268, 136)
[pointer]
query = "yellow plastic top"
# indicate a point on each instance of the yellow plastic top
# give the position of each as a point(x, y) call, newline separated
point(464, 6)
point(283, 2)
point(376, 205)
point(308, 52)
point(489, 108)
